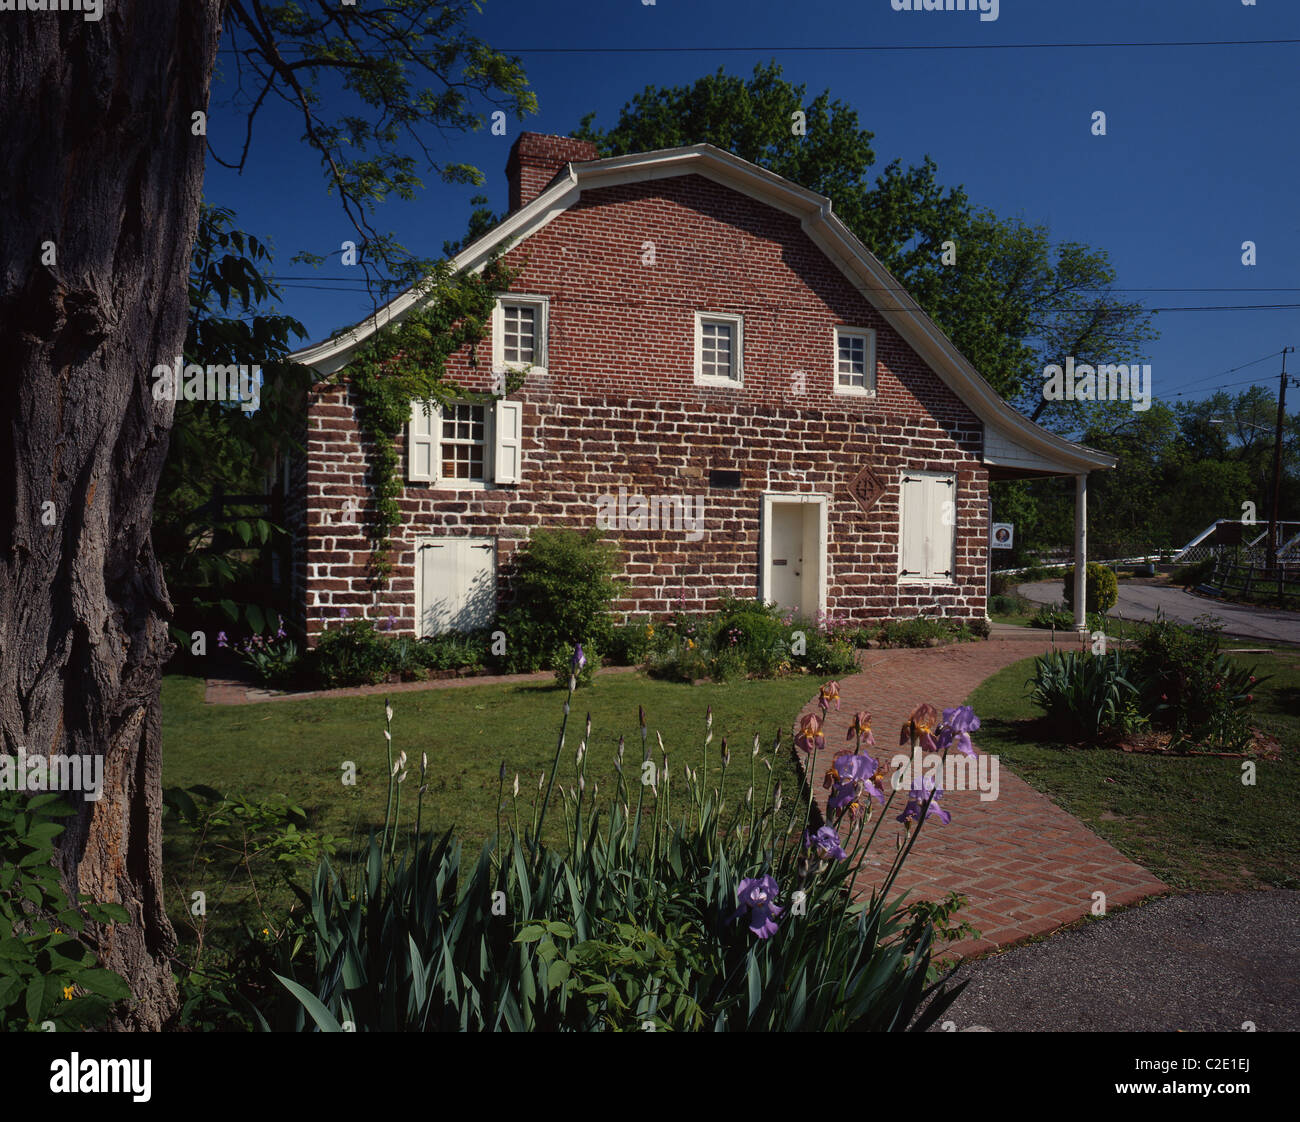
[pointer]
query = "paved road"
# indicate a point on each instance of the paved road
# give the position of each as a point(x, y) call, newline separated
point(1139, 601)
point(1196, 963)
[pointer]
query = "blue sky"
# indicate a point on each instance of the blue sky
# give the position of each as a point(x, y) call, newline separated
point(1199, 155)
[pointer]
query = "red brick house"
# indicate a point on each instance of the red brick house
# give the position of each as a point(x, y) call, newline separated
point(717, 367)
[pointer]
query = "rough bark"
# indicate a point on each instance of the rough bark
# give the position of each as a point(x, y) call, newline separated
point(97, 157)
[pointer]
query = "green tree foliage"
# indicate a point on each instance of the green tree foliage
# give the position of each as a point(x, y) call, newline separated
point(1101, 588)
point(378, 87)
point(215, 445)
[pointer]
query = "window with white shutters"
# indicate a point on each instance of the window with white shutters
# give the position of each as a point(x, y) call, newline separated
point(927, 535)
point(465, 444)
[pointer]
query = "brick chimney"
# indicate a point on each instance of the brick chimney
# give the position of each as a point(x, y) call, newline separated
point(536, 158)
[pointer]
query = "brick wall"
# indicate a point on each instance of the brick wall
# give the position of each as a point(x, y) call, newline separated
point(618, 407)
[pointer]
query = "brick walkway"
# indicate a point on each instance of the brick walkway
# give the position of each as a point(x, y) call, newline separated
point(1024, 864)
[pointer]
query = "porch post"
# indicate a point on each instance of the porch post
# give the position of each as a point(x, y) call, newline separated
point(1081, 552)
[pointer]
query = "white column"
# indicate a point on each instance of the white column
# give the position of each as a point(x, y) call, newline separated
point(1080, 552)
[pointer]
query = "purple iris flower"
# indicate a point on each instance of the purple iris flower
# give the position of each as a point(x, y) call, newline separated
point(221, 638)
point(756, 895)
point(343, 613)
point(579, 659)
point(958, 724)
point(916, 800)
point(852, 776)
point(961, 719)
point(827, 843)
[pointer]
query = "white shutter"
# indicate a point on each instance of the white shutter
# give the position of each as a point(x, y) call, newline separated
point(941, 526)
point(508, 430)
point(422, 443)
point(912, 559)
point(927, 534)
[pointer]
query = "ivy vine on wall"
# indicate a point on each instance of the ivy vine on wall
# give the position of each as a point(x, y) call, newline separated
point(406, 362)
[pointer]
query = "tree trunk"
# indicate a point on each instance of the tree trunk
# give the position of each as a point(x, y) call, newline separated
point(100, 182)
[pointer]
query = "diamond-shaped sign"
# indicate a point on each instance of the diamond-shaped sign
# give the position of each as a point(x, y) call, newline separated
point(866, 487)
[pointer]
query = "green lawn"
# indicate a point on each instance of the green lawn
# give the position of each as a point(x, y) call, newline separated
point(1190, 820)
point(298, 748)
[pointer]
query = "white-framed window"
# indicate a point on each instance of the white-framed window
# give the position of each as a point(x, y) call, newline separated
point(465, 445)
point(519, 331)
point(927, 535)
point(855, 361)
point(719, 349)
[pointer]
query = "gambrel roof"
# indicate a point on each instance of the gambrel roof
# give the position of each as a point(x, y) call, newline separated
point(1013, 444)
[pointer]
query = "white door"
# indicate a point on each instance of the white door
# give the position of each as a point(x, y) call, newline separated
point(455, 584)
point(787, 555)
point(795, 567)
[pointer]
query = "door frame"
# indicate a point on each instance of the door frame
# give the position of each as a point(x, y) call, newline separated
point(771, 499)
point(442, 539)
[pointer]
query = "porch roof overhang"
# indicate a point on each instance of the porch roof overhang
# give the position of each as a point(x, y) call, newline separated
point(1014, 446)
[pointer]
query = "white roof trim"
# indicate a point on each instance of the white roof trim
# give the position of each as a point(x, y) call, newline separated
point(826, 231)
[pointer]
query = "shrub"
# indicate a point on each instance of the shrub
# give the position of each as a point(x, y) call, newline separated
point(1197, 573)
point(629, 643)
point(913, 632)
point(1101, 588)
point(49, 978)
point(1056, 617)
point(728, 664)
point(1009, 604)
point(753, 635)
point(453, 650)
point(980, 628)
point(354, 654)
point(529, 644)
point(562, 666)
point(1091, 695)
point(680, 660)
point(1001, 584)
point(826, 656)
point(1191, 688)
point(565, 584)
point(274, 660)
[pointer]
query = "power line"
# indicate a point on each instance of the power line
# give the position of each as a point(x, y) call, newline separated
point(1089, 288)
point(786, 48)
point(1225, 373)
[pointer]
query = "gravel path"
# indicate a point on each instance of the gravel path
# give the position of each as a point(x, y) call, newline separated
point(1140, 601)
point(1202, 963)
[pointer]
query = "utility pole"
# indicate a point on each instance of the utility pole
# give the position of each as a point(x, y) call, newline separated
point(1277, 465)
